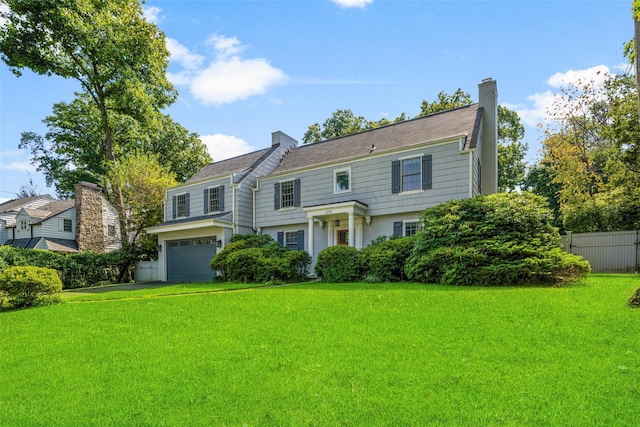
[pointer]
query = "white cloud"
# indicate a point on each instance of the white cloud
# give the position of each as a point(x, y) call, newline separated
point(181, 54)
point(152, 14)
point(4, 9)
point(223, 147)
point(597, 75)
point(352, 3)
point(226, 79)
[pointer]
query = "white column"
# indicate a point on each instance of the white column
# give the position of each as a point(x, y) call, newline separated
point(352, 229)
point(310, 247)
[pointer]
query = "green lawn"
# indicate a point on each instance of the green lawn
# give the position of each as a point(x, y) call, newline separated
point(323, 354)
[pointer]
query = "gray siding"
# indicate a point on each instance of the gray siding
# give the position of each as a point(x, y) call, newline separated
point(371, 185)
point(110, 217)
point(53, 227)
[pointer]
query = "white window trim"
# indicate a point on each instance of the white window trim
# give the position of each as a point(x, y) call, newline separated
point(293, 188)
point(415, 156)
point(408, 221)
point(209, 200)
point(286, 233)
point(335, 180)
point(178, 204)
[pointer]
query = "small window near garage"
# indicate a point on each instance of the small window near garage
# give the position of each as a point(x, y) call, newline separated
point(111, 230)
point(181, 205)
point(342, 180)
point(67, 226)
point(214, 199)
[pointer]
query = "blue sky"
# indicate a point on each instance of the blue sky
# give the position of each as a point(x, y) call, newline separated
point(244, 69)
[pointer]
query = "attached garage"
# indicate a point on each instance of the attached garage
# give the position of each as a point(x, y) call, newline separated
point(188, 259)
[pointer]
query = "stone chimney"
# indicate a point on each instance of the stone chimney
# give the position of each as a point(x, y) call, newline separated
point(89, 224)
point(488, 100)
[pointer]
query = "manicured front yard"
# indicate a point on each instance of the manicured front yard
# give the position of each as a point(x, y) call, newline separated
point(324, 354)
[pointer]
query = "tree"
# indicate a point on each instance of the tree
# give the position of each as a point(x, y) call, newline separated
point(28, 190)
point(120, 61)
point(511, 150)
point(342, 123)
point(143, 181)
point(459, 98)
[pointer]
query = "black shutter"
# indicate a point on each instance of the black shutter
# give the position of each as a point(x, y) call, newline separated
point(281, 237)
point(426, 172)
point(276, 196)
point(301, 240)
point(395, 176)
point(397, 229)
point(186, 202)
point(175, 208)
point(221, 198)
point(296, 192)
point(206, 201)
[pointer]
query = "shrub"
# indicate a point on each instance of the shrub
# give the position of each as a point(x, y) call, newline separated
point(76, 270)
point(500, 239)
point(30, 286)
point(634, 301)
point(338, 264)
point(384, 260)
point(259, 259)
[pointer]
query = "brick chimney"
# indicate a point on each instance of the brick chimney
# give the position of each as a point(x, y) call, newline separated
point(488, 100)
point(89, 224)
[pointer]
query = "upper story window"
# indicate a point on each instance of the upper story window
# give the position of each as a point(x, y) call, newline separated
point(23, 225)
point(342, 180)
point(67, 225)
point(286, 194)
point(214, 199)
point(411, 174)
point(180, 205)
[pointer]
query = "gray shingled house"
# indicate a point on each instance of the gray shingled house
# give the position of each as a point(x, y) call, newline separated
point(345, 191)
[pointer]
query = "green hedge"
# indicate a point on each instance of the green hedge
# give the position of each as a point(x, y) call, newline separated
point(500, 239)
point(339, 264)
point(384, 260)
point(76, 270)
point(259, 259)
point(26, 286)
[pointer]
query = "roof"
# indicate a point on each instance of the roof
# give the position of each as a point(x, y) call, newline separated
point(17, 204)
point(54, 208)
point(463, 121)
point(52, 244)
point(233, 165)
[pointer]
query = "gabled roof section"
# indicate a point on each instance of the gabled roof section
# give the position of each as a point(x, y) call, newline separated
point(25, 202)
point(50, 210)
point(237, 164)
point(422, 130)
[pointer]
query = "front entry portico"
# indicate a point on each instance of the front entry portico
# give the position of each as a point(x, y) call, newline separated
point(340, 220)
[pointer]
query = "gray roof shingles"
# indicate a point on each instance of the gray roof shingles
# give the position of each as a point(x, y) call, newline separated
point(422, 130)
point(229, 166)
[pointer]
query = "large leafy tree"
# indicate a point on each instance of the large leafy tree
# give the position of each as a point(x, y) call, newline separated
point(120, 62)
point(511, 149)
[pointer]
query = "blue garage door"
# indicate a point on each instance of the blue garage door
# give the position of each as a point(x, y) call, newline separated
point(188, 259)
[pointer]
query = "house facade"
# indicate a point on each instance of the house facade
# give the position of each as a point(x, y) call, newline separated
point(348, 190)
point(86, 223)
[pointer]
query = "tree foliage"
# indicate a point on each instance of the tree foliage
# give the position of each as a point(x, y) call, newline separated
point(591, 153)
point(143, 182)
point(500, 239)
point(342, 123)
point(445, 102)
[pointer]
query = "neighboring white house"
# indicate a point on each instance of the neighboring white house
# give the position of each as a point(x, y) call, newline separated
point(86, 223)
point(348, 190)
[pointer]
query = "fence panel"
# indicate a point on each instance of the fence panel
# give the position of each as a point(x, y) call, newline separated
point(146, 271)
point(611, 252)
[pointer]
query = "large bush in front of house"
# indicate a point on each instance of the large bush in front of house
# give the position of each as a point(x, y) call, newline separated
point(259, 259)
point(25, 286)
point(76, 270)
point(384, 259)
point(339, 264)
point(500, 239)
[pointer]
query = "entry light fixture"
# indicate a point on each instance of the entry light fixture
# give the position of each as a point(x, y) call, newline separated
point(336, 223)
point(219, 244)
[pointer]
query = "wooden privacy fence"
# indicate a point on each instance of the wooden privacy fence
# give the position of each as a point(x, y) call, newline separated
point(611, 252)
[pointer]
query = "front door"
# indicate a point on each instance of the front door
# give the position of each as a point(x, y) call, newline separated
point(343, 237)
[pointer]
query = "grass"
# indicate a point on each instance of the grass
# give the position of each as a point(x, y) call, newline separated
point(329, 354)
